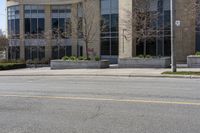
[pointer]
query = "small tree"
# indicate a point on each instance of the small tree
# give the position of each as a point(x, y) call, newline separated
point(59, 34)
point(3, 44)
point(141, 22)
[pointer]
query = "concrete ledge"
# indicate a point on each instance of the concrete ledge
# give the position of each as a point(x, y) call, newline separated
point(193, 61)
point(137, 62)
point(61, 64)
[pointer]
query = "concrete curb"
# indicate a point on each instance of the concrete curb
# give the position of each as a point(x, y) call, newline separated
point(107, 75)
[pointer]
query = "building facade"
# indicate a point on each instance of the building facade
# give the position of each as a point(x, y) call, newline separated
point(49, 29)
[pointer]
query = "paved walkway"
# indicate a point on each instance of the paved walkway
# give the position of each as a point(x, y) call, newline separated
point(94, 72)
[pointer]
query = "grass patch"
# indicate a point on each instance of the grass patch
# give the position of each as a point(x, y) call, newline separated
point(9, 66)
point(182, 73)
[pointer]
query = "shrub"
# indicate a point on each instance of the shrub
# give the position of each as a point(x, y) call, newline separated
point(97, 58)
point(82, 58)
point(12, 61)
point(141, 56)
point(148, 56)
point(198, 53)
point(73, 58)
point(65, 58)
point(9, 66)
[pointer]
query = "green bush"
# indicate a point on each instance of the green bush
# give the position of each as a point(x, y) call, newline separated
point(148, 56)
point(9, 66)
point(65, 58)
point(198, 53)
point(97, 58)
point(73, 58)
point(141, 56)
point(12, 61)
point(82, 58)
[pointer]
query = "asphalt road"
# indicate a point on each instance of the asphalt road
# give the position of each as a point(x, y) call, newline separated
point(99, 105)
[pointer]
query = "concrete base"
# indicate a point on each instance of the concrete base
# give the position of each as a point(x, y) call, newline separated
point(61, 64)
point(193, 61)
point(136, 62)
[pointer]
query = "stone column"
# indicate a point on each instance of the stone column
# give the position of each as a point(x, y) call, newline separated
point(48, 32)
point(94, 16)
point(185, 34)
point(22, 37)
point(74, 20)
point(127, 44)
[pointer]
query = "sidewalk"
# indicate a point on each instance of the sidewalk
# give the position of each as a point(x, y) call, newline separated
point(95, 72)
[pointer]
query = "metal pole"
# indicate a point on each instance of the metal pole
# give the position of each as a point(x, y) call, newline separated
point(173, 45)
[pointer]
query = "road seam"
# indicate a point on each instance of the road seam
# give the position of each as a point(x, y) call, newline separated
point(105, 99)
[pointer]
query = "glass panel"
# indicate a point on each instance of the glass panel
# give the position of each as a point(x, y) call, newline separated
point(140, 48)
point(167, 46)
point(105, 46)
point(33, 26)
point(17, 26)
point(55, 52)
point(151, 47)
point(41, 25)
point(62, 52)
point(114, 23)
point(41, 52)
point(27, 26)
point(68, 50)
point(62, 27)
point(105, 23)
point(114, 46)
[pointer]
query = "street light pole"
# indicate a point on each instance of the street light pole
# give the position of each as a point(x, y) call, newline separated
point(173, 45)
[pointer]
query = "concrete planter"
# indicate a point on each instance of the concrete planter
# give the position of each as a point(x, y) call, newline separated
point(137, 62)
point(193, 61)
point(61, 64)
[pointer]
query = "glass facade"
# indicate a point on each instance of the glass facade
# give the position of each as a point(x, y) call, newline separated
point(109, 28)
point(34, 21)
point(14, 52)
point(34, 29)
point(198, 28)
point(13, 32)
point(159, 44)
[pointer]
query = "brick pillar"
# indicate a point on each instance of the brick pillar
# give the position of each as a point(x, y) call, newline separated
point(22, 37)
point(48, 32)
point(74, 39)
point(185, 35)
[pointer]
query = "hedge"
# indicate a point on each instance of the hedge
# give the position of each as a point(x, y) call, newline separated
point(9, 66)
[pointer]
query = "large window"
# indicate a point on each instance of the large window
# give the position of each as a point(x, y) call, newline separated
point(109, 27)
point(61, 22)
point(14, 52)
point(59, 51)
point(198, 30)
point(61, 34)
point(35, 53)
point(159, 44)
point(13, 22)
point(34, 21)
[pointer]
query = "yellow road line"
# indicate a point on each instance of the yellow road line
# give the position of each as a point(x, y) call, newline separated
point(105, 99)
